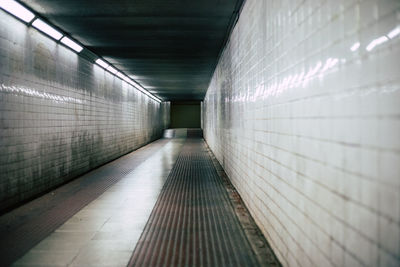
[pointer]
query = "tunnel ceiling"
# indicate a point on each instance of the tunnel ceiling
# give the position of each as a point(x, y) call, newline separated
point(169, 46)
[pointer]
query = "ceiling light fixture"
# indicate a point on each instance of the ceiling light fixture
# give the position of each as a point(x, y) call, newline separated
point(102, 63)
point(47, 29)
point(138, 86)
point(17, 10)
point(126, 79)
point(71, 44)
point(121, 75)
point(112, 69)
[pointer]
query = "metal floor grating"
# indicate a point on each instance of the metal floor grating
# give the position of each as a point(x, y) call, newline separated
point(193, 222)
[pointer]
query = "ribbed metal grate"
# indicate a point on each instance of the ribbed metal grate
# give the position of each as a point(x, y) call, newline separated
point(193, 222)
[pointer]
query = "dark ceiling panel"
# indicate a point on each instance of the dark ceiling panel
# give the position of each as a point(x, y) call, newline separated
point(168, 46)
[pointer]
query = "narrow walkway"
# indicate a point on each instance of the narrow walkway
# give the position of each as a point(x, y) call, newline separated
point(162, 205)
point(94, 220)
point(193, 222)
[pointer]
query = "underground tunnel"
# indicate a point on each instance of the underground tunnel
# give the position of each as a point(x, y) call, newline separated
point(200, 133)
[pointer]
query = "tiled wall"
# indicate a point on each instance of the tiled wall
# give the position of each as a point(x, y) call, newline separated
point(61, 115)
point(303, 112)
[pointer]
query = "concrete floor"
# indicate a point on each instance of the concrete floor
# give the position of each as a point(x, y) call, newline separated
point(105, 232)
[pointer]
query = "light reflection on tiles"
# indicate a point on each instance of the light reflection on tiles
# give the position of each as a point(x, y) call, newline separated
point(303, 112)
point(61, 115)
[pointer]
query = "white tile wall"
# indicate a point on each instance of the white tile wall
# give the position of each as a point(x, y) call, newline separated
point(303, 112)
point(61, 115)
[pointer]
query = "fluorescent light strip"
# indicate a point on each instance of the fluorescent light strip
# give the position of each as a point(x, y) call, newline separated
point(148, 94)
point(71, 44)
point(144, 91)
point(137, 85)
point(102, 63)
point(17, 10)
point(133, 83)
point(47, 29)
point(126, 79)
point(112, 69)
point(26, 15)
point(120, 75)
